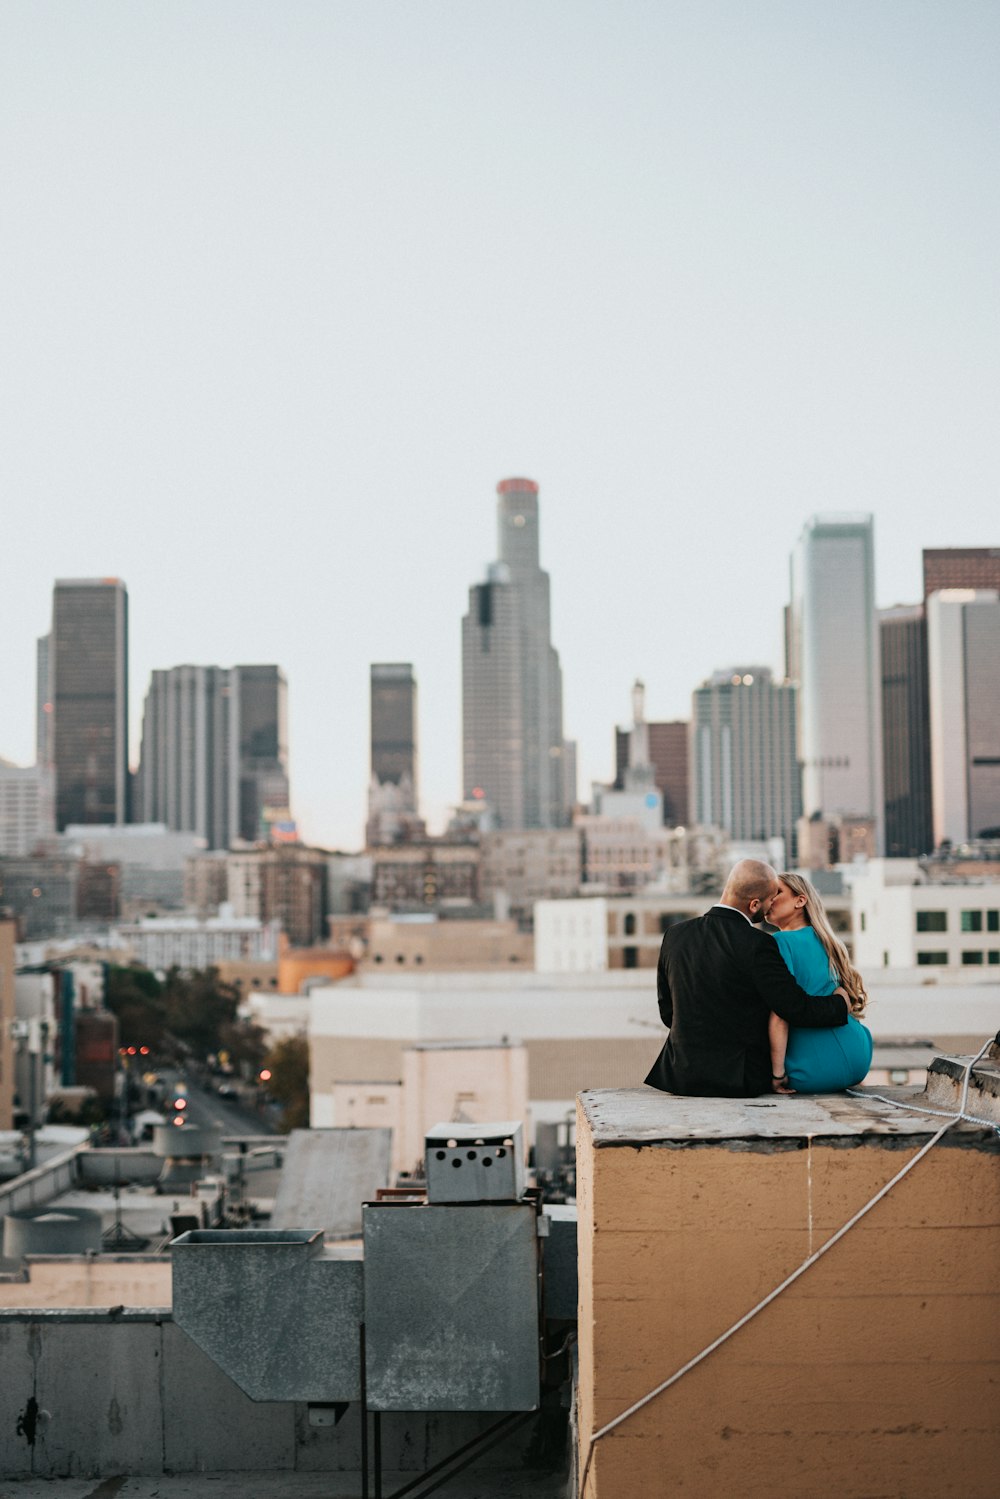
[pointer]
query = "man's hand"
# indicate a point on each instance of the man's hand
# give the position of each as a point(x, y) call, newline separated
point(781, 1084)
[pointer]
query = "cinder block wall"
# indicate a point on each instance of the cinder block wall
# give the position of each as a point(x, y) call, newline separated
point(876, 1374)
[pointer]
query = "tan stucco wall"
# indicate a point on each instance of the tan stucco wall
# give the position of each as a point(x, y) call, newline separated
point(68, 1281)
point(876, 1374)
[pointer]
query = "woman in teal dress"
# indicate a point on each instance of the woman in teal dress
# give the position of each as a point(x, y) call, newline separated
point(806, 1060)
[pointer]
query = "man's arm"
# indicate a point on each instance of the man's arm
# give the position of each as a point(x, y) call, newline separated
point(781, 993)
point(663, 996)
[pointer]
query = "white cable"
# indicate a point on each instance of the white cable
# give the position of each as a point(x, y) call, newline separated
point(807, 1263)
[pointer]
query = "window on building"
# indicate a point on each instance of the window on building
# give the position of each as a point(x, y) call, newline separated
point(631, 957)
point(972, 921)
point(931, 959)
point(993, 921)
point(993, 956)
point(971, 959)
point(630, 924)
point(932, 921)
point(864, 926)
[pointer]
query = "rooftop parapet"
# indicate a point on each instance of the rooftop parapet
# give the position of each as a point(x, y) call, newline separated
point(869, 1373)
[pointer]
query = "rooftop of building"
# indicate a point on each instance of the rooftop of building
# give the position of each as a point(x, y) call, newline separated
point(644, 1115)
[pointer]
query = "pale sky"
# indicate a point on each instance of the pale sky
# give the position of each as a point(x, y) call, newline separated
point(287, 287)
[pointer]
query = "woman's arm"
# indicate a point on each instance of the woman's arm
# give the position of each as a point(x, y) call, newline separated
point(777, 1035)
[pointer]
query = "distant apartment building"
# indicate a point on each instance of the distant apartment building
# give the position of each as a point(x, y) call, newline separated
point(518, 868)
point(423, 875)
point(626, 853)
point(27, 807)
point(43, 894)
point(960, 567)
point(444, 945)
point(88, 665)
point(285, 884)
point(392, 794)
point(906, 749)
point(963, 656)
point(901, 919)
point(206, 882)
point(512, 734)
point(834, 657)
point(744, 761)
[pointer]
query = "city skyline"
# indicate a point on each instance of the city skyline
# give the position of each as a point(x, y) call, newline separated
point(276, 324)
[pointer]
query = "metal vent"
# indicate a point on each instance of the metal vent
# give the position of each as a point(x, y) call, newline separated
point(475, 1162)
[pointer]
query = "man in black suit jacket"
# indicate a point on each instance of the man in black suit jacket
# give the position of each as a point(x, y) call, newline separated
point(717, 980)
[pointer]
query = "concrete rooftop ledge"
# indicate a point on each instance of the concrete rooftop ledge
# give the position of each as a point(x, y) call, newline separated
point(645, 1116)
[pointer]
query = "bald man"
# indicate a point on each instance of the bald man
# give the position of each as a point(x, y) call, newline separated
point(718, 979)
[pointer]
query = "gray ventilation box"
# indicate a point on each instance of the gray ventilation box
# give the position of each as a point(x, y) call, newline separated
point(475, 1162)
point(451, 1306)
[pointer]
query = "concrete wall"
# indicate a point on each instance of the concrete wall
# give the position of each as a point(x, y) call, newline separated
point(88, 1394)
point(8, 932)
point(873, 1375)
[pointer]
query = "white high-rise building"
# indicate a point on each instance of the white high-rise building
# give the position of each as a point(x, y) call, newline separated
point(513, 749)
point(214, 750)
point(27, 807)
point(963, 669)
point(189, 768)
point(834, 657)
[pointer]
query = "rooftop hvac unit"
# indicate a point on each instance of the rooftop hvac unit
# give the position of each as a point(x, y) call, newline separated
point(475, 1162)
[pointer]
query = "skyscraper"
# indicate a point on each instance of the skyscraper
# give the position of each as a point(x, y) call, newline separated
point(189, 765)
point(963, 660)
point(260, 720)
point(834, 657)
point(905, 732)
point(392, 794)
point(668, 754)
point(43, 701)
point(88, 661)
point(511, 681)
point(214, 750)
point(744, 762)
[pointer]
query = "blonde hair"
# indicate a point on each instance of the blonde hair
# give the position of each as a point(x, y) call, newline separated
point(847, 975)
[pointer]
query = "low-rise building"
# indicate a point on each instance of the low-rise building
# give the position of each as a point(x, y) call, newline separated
point(461, 943)
point(187, 943)
point(285, 884)
point(903, 918)
point(521, 867)
point(423, 875)
point(599, 933)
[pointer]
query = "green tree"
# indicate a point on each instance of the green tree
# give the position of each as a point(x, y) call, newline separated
point(135, 995)
point(288, 1063)
point(198, 1006)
